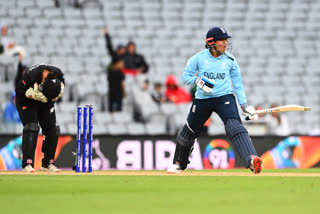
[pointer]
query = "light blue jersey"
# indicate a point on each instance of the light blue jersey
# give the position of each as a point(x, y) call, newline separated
point(224, 70)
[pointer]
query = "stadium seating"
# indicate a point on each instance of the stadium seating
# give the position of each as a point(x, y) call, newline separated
point(276, 43)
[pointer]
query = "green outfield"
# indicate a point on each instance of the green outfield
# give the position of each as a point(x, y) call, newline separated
point(69, 193)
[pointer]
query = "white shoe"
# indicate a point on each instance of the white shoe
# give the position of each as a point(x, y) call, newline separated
point(174, 169)
point(28, 168)
point(50, 168)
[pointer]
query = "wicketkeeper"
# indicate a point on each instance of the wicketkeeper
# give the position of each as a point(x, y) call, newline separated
point(41, 85)
point(217, 76)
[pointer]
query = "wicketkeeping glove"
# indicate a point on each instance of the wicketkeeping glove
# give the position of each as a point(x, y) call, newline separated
point(248, 112)
point(34, 93)
point(205, 84)
point(61, 92)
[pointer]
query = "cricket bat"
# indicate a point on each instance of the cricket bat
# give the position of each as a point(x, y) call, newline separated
point(283, 109)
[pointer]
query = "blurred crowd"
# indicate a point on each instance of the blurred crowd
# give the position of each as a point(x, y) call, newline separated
point(126, 61)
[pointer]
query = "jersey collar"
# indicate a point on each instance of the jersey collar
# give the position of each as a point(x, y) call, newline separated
point(216, 58)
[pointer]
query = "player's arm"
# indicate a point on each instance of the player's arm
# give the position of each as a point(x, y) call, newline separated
point(143, 65)
point(238, 87)
point(190, 78)
point(240, 93)
point(191, 68)
point(27, 80)
point(108, 42)
point(123, 86)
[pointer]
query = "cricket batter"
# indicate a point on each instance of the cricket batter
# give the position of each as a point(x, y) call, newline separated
point(40, 86)
point(215, 71)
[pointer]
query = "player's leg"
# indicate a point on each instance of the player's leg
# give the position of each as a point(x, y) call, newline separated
point(242, 142)
point(184, 146)
point(27, 110)
point(47, 120)
point(119, 104)
point(29, 144)
point(228, 112)
point(110, 104)
point(199, 113)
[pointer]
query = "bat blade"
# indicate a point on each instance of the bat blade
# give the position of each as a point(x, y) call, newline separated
point(285, 108)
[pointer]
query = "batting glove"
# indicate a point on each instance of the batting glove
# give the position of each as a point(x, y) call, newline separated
point(205, 84)
point(248, 112)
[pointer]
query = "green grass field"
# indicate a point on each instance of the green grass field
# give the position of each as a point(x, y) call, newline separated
point(47, 194)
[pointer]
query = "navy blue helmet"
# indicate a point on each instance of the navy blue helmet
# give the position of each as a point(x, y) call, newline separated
point(214, 34)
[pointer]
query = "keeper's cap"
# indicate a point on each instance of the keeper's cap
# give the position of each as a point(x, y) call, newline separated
point(51, 88)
